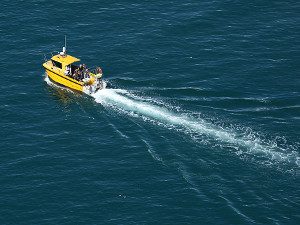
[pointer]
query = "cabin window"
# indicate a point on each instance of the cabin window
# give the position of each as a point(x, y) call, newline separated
point(73, 68)
point(57, 64)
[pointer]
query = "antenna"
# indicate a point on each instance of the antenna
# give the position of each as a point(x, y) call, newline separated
point(66, 41)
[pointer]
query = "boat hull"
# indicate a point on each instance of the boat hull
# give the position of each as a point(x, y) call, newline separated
point(64, 80)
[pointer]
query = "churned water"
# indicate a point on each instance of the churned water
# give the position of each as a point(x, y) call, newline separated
point(200, 122)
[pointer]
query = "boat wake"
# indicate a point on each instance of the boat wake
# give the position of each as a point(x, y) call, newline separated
point(240, 143)
point(244, 144)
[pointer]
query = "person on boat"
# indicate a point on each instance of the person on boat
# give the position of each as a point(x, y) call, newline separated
point(98, 70)
point(67, 71)
point(81, 71)
point(86, 73)
point(76, 74)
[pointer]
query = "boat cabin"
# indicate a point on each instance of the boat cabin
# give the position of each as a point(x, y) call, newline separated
point(62, 61)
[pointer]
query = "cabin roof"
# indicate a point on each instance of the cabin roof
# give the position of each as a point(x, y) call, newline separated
point(67, 59)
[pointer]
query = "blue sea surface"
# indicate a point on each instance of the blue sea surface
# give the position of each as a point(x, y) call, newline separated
point(200, 122)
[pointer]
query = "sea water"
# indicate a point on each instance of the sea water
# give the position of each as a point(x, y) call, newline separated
point(199, 123)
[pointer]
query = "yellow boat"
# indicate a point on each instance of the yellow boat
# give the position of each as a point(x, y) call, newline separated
point(63, 69)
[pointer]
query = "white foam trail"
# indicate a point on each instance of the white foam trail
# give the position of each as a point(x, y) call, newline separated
point(116, 98)
point(47, 80)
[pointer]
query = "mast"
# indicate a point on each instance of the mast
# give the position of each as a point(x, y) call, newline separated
point(64, 51)
point(66, 42)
